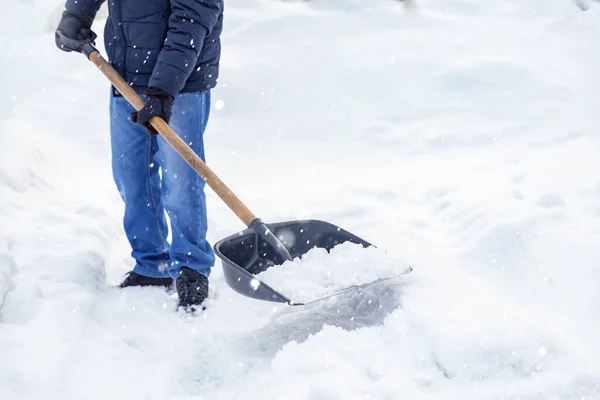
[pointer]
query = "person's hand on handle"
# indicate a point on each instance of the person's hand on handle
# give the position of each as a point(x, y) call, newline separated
point(158, 104)
point(73, 32)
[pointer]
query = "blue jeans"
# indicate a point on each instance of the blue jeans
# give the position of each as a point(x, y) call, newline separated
point(152, 178)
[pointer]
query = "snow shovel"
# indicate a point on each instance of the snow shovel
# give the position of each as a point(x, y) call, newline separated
point(261, 245)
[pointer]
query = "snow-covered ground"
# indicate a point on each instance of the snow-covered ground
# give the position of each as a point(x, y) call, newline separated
point(460, 136)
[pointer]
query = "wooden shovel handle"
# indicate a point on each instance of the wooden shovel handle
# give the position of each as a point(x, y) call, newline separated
point(175, 141)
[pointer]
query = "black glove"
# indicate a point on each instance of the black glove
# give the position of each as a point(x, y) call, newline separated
point(158, 104)
point(73, 31)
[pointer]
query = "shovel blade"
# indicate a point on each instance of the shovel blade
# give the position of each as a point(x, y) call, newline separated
point(246, 254)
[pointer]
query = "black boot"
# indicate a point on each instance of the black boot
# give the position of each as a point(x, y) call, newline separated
point(135, 279)
point(192, 289)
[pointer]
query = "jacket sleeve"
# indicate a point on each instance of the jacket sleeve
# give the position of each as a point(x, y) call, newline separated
point(85, 8)
point(189, 24)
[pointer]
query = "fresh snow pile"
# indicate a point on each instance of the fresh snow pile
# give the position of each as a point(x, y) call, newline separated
point(320, 273)
point(460, 136)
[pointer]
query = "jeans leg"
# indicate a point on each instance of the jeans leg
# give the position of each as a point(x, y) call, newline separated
point(135, 171)
point(183, 189)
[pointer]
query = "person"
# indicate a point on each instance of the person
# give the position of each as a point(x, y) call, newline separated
point(169, 52)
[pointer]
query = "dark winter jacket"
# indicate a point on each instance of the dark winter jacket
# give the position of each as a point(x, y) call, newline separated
point(173, 45)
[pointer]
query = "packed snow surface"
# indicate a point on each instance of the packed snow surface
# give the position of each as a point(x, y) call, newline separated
point(461, 136)
point(320, 273)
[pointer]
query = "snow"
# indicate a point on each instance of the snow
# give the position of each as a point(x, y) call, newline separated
point(320, 273)
point(459, 136)
point(7, 270)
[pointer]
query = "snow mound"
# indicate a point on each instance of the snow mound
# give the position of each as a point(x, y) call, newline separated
point(320, 273)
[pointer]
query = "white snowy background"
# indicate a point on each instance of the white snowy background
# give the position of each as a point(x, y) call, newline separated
point(461, 136)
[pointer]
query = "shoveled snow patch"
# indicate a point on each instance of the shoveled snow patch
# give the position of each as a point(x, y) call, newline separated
point(320, 273)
